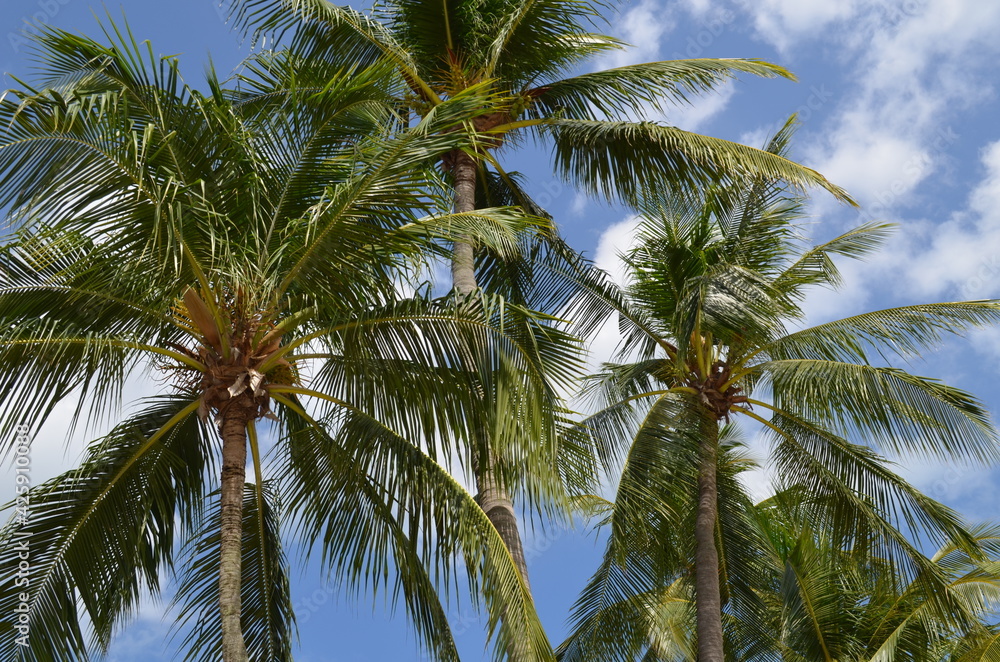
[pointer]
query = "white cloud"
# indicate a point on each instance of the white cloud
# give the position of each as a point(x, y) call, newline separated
point(700, 111)
point(760, 481)
point(927, 259)
point(143, 638)
point(958, 258)
point(875, 166)
point(986, 197)
point(643, 26)
point(756, 137)
point(823, 304)
point(915, 64)
point(697, 8)
point(646, 26)
point(579, 204)
point(615, 240)
point(931, 35)
point(783, 22)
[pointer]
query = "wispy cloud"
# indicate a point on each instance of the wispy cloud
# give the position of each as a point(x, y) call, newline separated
point(645, 26)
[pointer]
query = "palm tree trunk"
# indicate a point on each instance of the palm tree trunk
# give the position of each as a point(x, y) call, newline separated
point(494, 500)
point(463, 261)
point(708, 597)
point(234, 461)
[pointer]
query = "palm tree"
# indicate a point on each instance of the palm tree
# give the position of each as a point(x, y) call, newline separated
point(251, 257)
point(715, 284)
point(507, 60)
point(801, 596)
point(639, 604)
point(830, 603)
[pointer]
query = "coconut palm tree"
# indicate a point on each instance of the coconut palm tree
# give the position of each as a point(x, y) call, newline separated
point(794, 594)
point(634, 607)
point(251, 258)
point(705, 323)
point(511, 59)
point(831, 603)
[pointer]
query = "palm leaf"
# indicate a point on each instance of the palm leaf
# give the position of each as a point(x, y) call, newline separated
point(100, 535)
point(623, 160)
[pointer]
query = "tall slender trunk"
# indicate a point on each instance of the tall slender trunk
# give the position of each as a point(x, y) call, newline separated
point(494, 500)
point(708, 597)
point(234, 461)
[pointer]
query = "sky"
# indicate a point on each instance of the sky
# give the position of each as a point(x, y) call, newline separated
point(898, 104)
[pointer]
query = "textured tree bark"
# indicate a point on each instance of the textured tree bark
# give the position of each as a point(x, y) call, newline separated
point(500, 510)
point(463, 263)
point(494, 501)
point(708, 597)
point(234, 461)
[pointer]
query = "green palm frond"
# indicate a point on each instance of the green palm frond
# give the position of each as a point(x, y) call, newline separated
point(864, 496)
point(64, 331)
point(281, 224)
point(319, 25)
point(99, 535)
point(520, 49)
point(640, 602)
point(717, 275)
point(816, 266)
point(371, 507)
point(378, 358)
point(904, 332)
point(877, 616)
point(979, 647)
point(888, 406)
point(631, 90)
point(624, 160)
point(364, 540)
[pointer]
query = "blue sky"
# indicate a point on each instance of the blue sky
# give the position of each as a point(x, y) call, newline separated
point(898, 103)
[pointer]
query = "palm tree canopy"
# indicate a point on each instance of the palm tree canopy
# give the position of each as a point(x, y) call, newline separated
point(239, 249)
point(794, 594)
point(514, 55)
point(708, 324)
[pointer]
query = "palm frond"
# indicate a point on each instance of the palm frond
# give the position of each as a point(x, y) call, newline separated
point(99, 536)
point(623, 160)
point(630, 91)
point(900, 412)
point(816, 266)
point(904, 332)
point(369, 506)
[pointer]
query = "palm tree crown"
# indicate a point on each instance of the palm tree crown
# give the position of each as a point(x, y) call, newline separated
point(512, 58)
point(716, 284)
point(506, 60)
point(251, 256)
